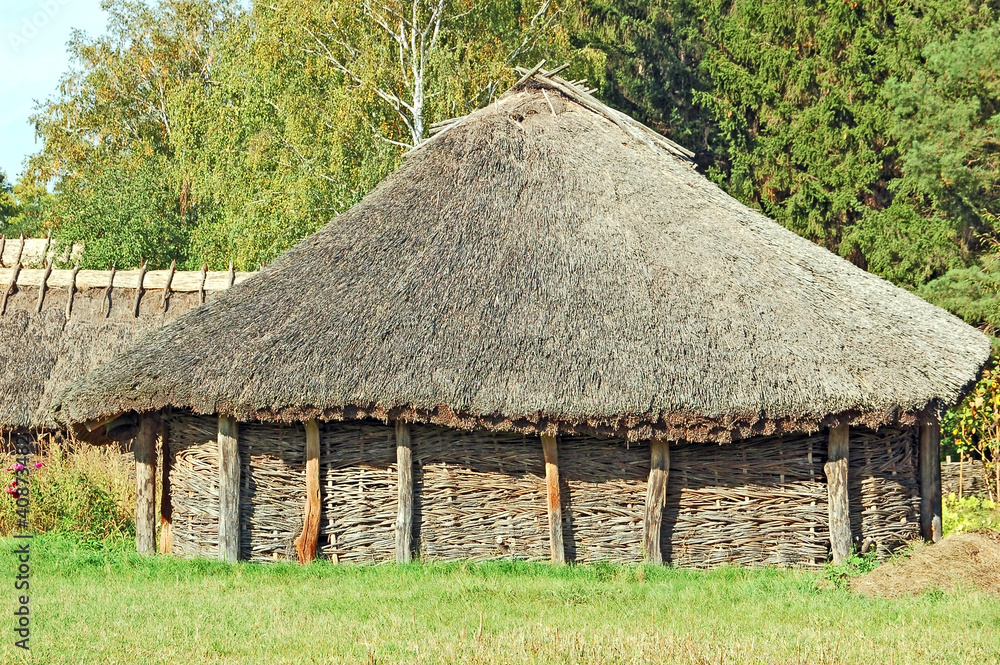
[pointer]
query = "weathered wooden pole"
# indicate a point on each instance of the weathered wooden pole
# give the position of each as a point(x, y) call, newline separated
point(306, 543)
point(144, 447)
point(404, 476)
point(556, 550)
point(166, 502)
point(656, 496)
point(929, 460)
point(229, 489)
point(838, 502)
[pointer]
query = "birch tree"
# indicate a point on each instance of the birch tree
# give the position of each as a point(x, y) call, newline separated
point(404, 50)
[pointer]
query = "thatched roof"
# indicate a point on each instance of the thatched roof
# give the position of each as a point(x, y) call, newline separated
point(43, 350)
point(547, 263)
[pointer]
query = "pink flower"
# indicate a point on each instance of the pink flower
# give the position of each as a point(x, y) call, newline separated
point(19, 467)
point(38, 465)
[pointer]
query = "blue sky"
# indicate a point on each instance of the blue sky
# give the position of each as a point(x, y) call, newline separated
point(33, 35)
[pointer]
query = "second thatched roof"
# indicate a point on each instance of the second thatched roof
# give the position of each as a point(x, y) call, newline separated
point(548, 264)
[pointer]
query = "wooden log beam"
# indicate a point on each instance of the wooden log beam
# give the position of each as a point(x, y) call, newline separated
point(404, 474)
point(929, 461)
point(838, 502)
point(229, 489)
point(656, 496)
point(306, 543)
point(144, 447)
point(166, 502)
point(556, 550)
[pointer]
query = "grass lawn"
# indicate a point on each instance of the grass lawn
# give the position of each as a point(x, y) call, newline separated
point(101, 604)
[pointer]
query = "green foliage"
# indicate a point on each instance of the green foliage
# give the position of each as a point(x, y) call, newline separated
point(854, 565)
point(643, 58)
point(198, 131)
point(8, 206)
point(868, 127)
point(970, 293)
point(84, 491)
point(108, 150)
point(492, 612)
point(974, 425)
point(804, 94)
point(970, 513)
point(124, 213)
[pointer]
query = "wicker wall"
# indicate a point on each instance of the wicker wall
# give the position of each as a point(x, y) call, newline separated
point(970, 473)
point(481, 495)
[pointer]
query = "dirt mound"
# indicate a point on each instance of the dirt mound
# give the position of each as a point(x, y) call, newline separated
point(960, 561)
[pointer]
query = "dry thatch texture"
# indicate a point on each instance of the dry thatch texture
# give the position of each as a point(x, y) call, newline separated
point(44, 352)
point(972, 476)
point(543, 264)
point(481, 495)
point(963, 561)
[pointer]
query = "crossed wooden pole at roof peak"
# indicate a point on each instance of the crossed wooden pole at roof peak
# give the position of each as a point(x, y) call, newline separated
point(141, 280)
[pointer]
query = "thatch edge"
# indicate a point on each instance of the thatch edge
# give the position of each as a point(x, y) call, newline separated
point(675, 426)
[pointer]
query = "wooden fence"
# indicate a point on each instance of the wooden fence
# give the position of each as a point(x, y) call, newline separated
point(483, 495)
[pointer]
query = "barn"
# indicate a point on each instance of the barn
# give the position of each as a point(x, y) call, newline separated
point(544, 337)
point(58, 324)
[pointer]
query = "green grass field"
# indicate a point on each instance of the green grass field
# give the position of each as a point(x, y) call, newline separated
point(102, 604)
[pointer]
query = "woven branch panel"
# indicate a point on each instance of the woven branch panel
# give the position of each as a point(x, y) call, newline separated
point(883, 488)
point(970, 474)
point(603, 490)
point(194, 485)
point(761, 501)
point(479, 495)
point(272, 490)
point(357, 467)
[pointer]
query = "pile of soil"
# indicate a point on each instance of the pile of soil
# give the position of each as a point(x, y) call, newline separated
point(960, 561)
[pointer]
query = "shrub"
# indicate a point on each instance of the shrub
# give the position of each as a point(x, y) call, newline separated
point(78, 489)
point(970, 513)
point(975, 427)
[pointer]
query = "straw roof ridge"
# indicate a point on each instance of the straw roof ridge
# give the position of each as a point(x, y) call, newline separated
point(56, 325)
point(544, 265)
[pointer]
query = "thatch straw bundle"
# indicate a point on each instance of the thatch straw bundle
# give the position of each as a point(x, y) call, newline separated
point(546, 264)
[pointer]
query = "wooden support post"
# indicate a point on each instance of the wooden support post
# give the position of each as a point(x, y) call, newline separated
point(930, 480)
point(305, 544)
point(838, 503)
point(12, 286)
point(144, 447)
point(43, 287)
point(166, 288)
point(201, 289)
point(138, 290)
point(229, 489)
point(404, 474)
point(72, 290)
point(556, 549)
point(656, 497)
point(166, 503)
point(107, 291)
